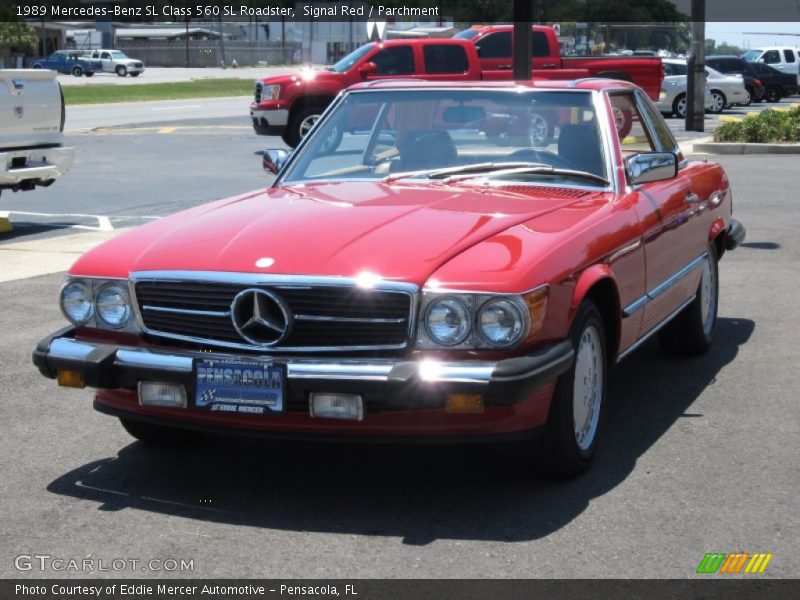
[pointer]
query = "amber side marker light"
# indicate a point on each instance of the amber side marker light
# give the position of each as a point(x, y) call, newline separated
point(69, 378)
point(537, 307)
point(463, 403)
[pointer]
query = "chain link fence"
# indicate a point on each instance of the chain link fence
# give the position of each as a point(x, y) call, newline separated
point(211, 53)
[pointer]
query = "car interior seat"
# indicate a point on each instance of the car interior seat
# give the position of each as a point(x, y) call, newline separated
point(426, 149)
point(579, 144)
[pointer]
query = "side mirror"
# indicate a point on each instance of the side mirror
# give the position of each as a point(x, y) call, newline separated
point(651, 166)
point(368, 68)
point(274, 159)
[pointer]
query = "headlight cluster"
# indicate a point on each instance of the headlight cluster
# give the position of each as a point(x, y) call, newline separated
point(475, 320)
point(270, 92)
point(101, 303)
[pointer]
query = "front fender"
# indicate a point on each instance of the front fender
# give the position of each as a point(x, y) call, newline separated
point(586, 280)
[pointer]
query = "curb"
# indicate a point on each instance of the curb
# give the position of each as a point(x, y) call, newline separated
point(746, 148)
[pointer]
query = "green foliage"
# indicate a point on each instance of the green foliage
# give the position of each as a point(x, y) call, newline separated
point(199, 88)
point(769, 127)
point(16, 34)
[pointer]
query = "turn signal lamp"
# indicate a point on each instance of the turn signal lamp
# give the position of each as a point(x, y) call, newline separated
point(537, 307)
point(70, 378)
point(463, 403)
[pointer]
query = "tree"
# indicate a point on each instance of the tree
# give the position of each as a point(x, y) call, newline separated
point(16, 34)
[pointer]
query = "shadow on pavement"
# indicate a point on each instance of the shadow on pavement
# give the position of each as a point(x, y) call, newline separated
point(418, 493)
point(22, 229)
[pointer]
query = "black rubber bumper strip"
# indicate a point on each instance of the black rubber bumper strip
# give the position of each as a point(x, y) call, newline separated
point(735, 236)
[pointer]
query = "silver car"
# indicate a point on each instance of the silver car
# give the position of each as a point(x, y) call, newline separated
point(672, 100)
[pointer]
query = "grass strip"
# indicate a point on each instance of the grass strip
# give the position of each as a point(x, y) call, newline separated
point(199, 88)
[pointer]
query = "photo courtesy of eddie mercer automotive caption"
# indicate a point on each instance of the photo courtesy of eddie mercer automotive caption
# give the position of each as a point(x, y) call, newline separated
point(425, 267)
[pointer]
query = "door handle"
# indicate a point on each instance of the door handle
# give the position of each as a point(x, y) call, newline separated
point(691, 198)
point(549, 66)
point(503, 66)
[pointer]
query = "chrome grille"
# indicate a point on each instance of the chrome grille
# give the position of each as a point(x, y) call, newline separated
point(327, 315)
point(259, 89)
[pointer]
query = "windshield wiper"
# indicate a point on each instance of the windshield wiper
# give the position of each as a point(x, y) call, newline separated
point(533, 169)
point(473, 170)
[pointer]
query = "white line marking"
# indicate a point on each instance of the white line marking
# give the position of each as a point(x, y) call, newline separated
point(177, 107)
point(103, 221)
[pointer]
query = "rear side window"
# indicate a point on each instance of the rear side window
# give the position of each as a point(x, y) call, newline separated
point(495, 45)
point(675, 69)
point(396, 60)
point(540, 45)
point(441, 58)
point(772, 57)
point(788, 55)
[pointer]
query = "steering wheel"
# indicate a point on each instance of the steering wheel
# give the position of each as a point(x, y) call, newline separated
point(541, 156)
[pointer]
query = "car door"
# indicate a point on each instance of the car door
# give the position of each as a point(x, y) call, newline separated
point(444, 62)
point(773, 59)
point(108, 63)
point(494, 52)
point(394, 62)
point(790, 61)
point(662, 208)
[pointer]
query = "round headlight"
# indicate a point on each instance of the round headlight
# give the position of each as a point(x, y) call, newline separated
point(113, 306)
point(447, 321)
point(76, 302)
point(500, 322)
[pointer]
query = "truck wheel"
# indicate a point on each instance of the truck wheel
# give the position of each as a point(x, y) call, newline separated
point(37, 66)
point(134, 74)
point(77, 71)
point(541, 133)
point(679, 106)
point(624, 121)
point(121, 71)
point(302, 124)
point(157, 435)
point(773, 94)
point(692, 331)
point(89, 73)
point(569, 441)
point(720, 102)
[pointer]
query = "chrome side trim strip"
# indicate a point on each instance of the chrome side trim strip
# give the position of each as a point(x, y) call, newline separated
point(345, 319)
point(662, 287)
point(187, 311)
point(655, 329)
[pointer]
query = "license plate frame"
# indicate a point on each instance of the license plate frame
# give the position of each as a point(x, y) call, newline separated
point(240, 386)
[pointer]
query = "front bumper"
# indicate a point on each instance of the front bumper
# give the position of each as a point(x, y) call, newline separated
point(34, 165)
point(389, 386)
point(269, 121)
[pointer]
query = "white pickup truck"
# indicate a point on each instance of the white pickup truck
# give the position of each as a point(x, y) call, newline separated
point(115, 61)
point(32, 151)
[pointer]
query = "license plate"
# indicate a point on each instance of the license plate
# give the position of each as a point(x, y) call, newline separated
point(240, 386)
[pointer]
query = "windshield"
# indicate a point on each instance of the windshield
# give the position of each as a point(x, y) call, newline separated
point(425, 134)
point(348, 61)
point(752, 55)
point(118, 54)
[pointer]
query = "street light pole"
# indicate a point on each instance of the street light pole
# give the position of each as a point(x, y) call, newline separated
point(523, 37)
point(696, 76)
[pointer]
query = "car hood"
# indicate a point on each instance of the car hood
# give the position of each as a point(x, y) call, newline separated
point(303, 76)
point(396, 231)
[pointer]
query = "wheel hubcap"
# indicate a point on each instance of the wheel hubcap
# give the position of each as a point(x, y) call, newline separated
point(719, 104)
point(588, 389)
point(538, 130)
point(619, 118)
point(708, 292)
point(307, 123)
point(682, 107)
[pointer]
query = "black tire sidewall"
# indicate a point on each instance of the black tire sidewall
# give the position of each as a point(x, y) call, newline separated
point(77, 71)
point(675, 106)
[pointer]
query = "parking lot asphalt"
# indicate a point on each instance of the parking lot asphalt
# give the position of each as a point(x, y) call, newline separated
point(698, 455)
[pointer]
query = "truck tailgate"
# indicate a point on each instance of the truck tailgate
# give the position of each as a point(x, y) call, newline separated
point(646, 72)
point(30, 109)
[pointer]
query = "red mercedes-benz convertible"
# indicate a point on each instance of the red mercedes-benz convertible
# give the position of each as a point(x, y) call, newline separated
point(416, 279)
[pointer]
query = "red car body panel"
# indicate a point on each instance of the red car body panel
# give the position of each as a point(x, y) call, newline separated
point(458, 236)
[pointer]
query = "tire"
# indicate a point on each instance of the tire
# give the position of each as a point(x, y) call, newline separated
point(773, 94)
point(679, 106)
point(623, 120)
point(301, 125)
point(134, 74)
point(157, 435)
point(37, 66)
point(692, 331)
point(77, 71)
point(562, 451)
point(121, 70)
point(720, 102)
point(89, 73)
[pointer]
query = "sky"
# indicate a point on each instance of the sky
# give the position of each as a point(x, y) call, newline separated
point(742, 34)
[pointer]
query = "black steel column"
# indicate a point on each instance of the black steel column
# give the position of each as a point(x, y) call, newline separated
point(523, 49)
point(696, 76)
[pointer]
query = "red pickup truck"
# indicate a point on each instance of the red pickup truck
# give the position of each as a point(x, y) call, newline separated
point(288, 105)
